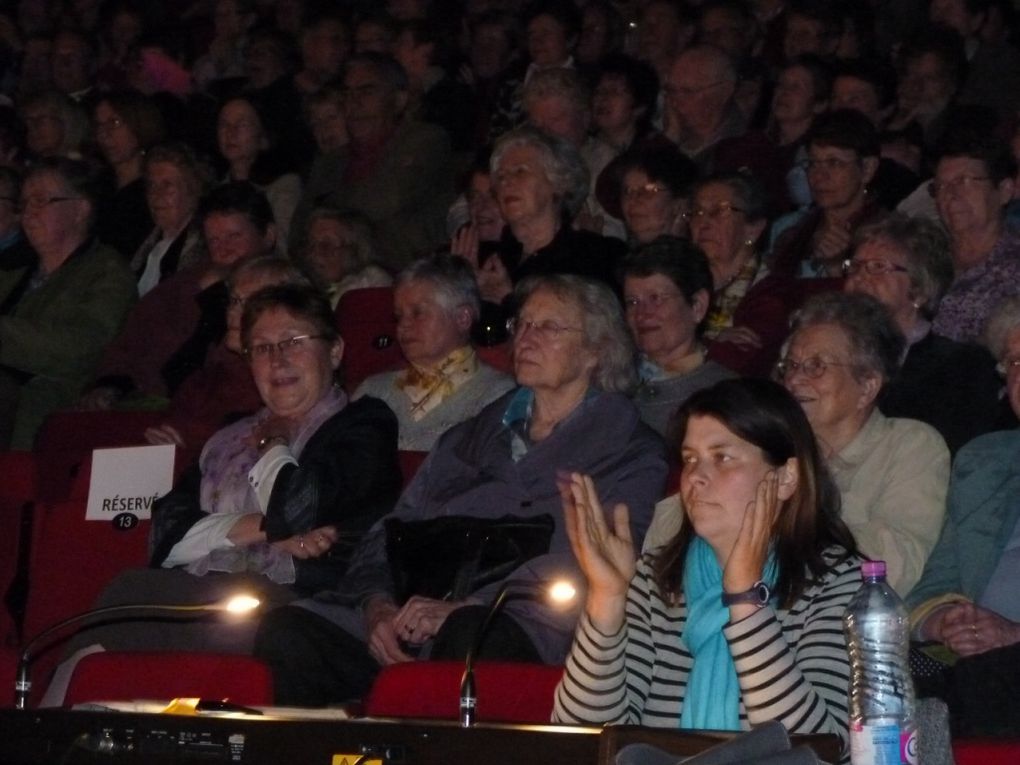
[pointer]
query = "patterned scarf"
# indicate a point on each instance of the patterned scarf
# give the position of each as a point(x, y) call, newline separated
point(726, 300)
point(428, 387)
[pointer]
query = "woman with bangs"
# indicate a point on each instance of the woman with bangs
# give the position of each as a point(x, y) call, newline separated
point(736, 619)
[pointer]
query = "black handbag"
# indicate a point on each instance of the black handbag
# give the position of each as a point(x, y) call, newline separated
point(449, 557)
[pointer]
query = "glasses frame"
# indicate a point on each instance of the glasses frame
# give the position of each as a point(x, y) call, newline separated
point(813, 367)
point(852, 266)
point(283, 347)
point(547, 330)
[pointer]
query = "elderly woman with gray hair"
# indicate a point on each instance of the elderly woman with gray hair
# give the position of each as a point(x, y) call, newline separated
point(339, 251)
point(436, 303)
point(541, 183)
point(904, 263)
point(574, 363)
point(891, 472)
point(966, 600)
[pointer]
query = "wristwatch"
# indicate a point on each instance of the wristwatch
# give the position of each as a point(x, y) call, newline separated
point(758, 595)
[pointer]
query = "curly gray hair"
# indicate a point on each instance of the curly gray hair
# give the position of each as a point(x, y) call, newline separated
point(925, 245)
point(452, 278)
point(605, 330)
point(561, 163)
point(1003, 321)
point(876, 344)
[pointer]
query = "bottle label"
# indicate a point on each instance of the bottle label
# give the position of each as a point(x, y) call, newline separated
point(882, 745)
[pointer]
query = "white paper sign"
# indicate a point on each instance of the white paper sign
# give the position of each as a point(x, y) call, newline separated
point(127, 481)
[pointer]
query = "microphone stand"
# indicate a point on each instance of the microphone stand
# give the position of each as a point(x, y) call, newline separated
point(23, 684)
point(526, 589)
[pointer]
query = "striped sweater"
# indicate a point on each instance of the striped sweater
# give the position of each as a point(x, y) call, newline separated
point(792, 666)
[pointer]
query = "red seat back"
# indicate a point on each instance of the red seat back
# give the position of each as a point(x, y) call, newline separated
point(128, 675)
point(18, 489)
point(365, 320)
point(409, 464)
point(498, 356)
point(511, 692)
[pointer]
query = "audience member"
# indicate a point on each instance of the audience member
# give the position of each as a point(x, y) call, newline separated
point(974, 181)
point(55, 126)
point(700, 109)
point(169, 332)
point(842, 158)
point(126, 126)
point(667, 289)
point(904, 263)
point(175, 181)
point(278, 500)
point(653, 194)
point(436, 303)
point(747, 321)
point(731, 622)
point(574, 362)
point(250, 143)
point(966, 600)
point(395, 171)
point(222, 390)
point(340, 253)
point(891, 473)
point(59, 310)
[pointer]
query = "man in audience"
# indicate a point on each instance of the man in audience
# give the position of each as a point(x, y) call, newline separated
point(394, 170)
point(700, 110)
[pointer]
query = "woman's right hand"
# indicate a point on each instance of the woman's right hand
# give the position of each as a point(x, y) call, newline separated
point(310, 544)
point(494, 282)
point(164, 434)
point(383, 642)
point(465, 244)
point(606, 555)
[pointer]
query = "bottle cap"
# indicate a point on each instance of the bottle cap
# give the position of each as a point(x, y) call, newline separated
point(873, 568)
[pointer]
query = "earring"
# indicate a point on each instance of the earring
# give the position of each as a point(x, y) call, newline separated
point(748, 242)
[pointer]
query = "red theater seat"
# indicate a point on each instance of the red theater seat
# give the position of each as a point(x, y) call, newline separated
point(128, 675)
point(510, 692)
point(365, 320)
point(986, 752)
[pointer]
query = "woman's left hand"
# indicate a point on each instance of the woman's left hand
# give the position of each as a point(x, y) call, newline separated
point(742, 337)
point(310, 544)
point(746, 561)
point(421, 618)
point(969, 630)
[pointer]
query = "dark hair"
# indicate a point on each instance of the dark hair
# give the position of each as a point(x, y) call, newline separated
point(640, 79)
point(765, 414)
point(140, 113)
point(678, 259)
point(299, 300)
point(845, 129)
point(241, 198)
point(989, 149)
point(565, 12)
point(876, 73)
point(281, 42)
point(182, 156)
point(663, 164)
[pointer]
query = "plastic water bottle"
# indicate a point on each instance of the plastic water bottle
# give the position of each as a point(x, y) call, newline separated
point(883, 729)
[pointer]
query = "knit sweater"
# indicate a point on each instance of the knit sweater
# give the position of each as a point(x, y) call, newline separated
point(792, 665)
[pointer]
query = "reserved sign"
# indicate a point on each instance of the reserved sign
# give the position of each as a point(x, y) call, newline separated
point(127, 481)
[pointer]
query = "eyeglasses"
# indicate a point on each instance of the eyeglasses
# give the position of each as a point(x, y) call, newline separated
point(721, 210)
point(651, 302)
point(812, 367)
point(285, 348)
point(871, 266)
point(959, 184)
point(1006, 366)
point(829, 164)
point(643, 192)
point(547, 330)
point(39, 202)
point(513, 173)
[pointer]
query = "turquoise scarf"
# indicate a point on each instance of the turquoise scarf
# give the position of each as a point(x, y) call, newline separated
point(712, 701)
